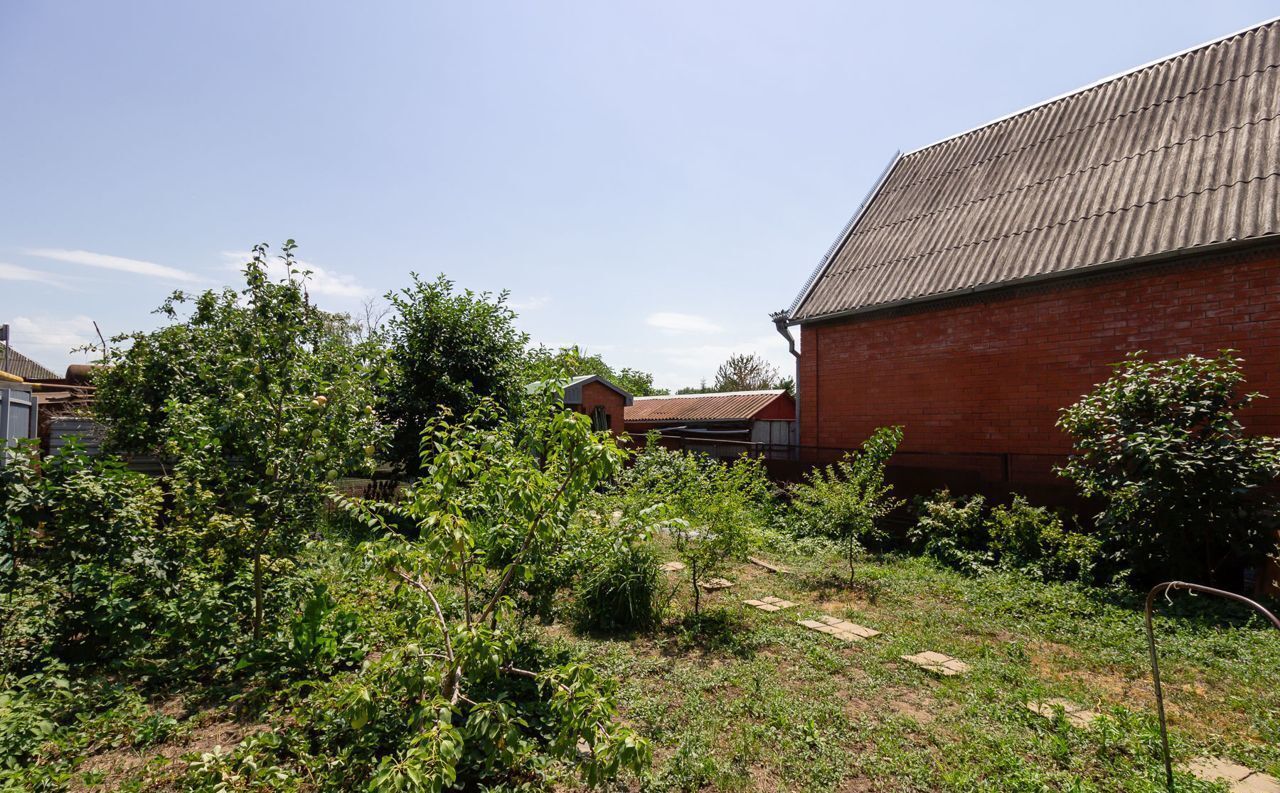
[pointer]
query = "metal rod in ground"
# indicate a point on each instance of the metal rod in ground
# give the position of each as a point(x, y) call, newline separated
point(1165, 588)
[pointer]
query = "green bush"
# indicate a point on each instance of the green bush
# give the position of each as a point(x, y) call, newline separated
point(952, 530)
point(1036, 541)
point(712, 510)
point(847, 501)
point(617, 586)
point(83, 559)
point(1182, 485)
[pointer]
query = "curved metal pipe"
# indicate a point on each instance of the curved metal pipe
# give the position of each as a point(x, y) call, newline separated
point(1165, 588)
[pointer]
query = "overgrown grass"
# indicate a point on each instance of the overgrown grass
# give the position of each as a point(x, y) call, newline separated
point(755, 701)
point(736, 699)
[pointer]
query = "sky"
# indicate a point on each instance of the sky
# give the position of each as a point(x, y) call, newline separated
point(648, 180)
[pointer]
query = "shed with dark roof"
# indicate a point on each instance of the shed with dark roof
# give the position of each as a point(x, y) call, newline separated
point(989, 279)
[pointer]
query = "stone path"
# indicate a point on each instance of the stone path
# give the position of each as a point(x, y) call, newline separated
point(1239, 779)
point(1077, 715)
point(769, 603)
point(713, 584)
point(841, 629)
point(770, 566)
point(937, 663)
point(671, 567)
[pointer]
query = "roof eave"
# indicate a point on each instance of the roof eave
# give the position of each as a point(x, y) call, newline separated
point(1063, 275)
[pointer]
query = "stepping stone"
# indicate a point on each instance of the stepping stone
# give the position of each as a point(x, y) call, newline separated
point(1239, 779)
point(1077, 715)
point(937, 663)
point(770, 603)
point(841, 629)
point(714, 584)
point(671, 567)
point(770, 566)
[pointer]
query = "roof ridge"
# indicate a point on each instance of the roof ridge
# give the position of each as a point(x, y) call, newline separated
point(1101, 82)
point(1065, 133)
point(716, 394)
point(1067, 175)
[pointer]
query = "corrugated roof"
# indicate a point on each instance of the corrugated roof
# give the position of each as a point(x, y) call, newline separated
point(1177, 155)
point(24, 367)
point(726, 406)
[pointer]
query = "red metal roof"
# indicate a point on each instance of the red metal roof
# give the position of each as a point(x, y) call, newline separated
point(729, 406)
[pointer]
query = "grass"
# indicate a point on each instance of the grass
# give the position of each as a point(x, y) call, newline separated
point(746, 700)
point(738, 699)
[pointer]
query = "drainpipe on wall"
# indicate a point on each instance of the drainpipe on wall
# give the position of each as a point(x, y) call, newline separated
point(780, 322)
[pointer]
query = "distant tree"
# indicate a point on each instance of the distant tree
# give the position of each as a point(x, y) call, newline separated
point(703, 388)
point(746, 373)
point(447, 350)
point(545, 362)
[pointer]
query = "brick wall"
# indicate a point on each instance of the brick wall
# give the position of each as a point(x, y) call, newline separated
point(989, 374)
point(596, 394)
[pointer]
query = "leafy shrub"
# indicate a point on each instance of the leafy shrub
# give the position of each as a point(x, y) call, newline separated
point(845, 502)
point(82, 558)
point(952, 531)
point(448, 350)
point(1036, 541)
point(1182, 485)
point(712, 510)
point(468, 701)
point(617, 586)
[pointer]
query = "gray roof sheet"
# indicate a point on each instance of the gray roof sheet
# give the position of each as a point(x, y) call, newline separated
point(1176, 155)
point(24, 367)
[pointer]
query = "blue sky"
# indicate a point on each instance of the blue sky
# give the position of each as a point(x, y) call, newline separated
point(649, 180)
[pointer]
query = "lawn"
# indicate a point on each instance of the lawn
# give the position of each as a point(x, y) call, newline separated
point(754, 701)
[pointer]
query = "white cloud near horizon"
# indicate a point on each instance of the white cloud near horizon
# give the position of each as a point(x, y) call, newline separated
point(529, 304)
point(12, 272)
point(675, 322)
point(49, 340)
point(118, 263)
point(321, 281)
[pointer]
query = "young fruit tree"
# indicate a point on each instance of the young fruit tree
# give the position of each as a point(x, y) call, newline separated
point(471, 701)
point(847, 500)
point(708, 508)
point(1183, 487)
point(253, 403)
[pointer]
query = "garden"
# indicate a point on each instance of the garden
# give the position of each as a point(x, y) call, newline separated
point(538, 606)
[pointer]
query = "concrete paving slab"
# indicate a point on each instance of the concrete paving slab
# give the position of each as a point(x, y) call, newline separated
point(937, 663)
point(1075, 714)
point(841, 629)
point(714, 584)
point(1239, 778)
point(779, 602)
point(770, 566)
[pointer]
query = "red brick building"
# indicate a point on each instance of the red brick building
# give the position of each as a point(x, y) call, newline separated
point(600, 399)
point(989, 280)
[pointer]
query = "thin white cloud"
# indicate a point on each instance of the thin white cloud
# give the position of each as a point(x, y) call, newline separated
point(12, 272)
point(321, 281)
point(117, 263)
point(50, 340)
point(673, 322)
point(530, 304)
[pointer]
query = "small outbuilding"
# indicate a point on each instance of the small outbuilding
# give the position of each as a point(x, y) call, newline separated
point(598, 398)
point(723, 424)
